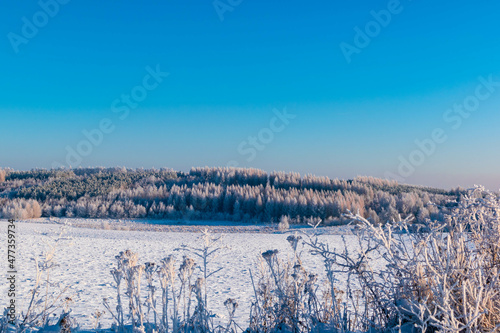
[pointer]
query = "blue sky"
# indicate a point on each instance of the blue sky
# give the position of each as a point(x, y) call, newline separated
point(227, 79)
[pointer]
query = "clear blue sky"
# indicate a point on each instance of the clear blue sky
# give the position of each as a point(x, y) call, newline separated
point(227, 76)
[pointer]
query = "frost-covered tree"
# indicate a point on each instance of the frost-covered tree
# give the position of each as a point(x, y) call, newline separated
point(21, 209)
point(2, 175)
point(284, 223)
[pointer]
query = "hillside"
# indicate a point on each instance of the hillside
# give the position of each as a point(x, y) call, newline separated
point(248, 195)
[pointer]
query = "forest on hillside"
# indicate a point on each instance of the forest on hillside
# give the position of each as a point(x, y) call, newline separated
point(231, 194)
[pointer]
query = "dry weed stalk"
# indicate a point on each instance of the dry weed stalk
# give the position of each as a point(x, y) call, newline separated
point(178, 286)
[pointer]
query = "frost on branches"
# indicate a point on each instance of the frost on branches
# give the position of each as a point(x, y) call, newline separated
point(437, 276)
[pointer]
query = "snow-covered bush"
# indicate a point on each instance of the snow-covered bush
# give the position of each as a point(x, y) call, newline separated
point(287, 297)
point(21, 209)
point(284, 224)
point(437, 277)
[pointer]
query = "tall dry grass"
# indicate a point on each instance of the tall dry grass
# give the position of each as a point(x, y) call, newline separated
point(182, 294)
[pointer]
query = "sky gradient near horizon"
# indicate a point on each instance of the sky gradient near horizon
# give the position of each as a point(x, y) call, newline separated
point(415, 96)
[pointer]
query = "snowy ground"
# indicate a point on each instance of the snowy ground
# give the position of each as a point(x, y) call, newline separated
point(87, 254)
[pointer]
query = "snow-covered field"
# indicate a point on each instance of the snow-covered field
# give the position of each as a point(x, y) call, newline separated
point(87, 253)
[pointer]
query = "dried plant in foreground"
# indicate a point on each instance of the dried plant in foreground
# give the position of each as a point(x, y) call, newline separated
point(435, 277)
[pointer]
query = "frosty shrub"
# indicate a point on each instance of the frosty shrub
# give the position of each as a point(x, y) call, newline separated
point(435, 277)
point(284, 224)
point(286, 296)
point(21, 209)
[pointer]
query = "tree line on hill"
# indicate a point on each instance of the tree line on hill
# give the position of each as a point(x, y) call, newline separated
point(235, 194)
